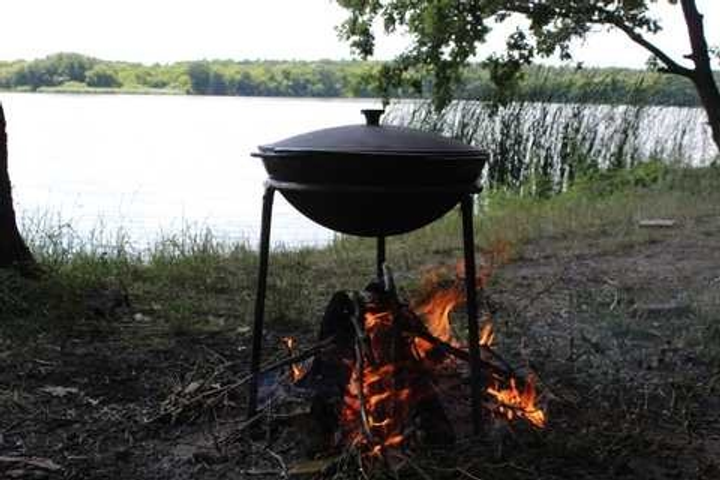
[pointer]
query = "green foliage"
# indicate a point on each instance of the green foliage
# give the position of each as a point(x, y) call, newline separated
point(52, 70)
point(445, 35)
point(102, 76)
point(73, 72)
point(604, 183)
point(199, 74)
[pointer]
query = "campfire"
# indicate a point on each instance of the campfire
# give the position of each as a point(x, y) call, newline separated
point(392, 375)
point(387, 374)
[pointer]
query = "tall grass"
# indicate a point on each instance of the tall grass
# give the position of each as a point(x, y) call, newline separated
point(196, 281)
point(541, 148)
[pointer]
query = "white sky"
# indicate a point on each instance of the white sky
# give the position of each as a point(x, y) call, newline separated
point(163, 31)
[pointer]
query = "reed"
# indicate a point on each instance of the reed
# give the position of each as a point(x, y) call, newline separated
point(540, 148)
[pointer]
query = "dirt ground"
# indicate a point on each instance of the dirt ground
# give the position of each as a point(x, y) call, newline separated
point(625, 338)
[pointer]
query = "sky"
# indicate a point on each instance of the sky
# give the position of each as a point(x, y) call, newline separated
point(164, 31)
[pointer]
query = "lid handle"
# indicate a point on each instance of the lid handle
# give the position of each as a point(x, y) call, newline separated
point(372, 116)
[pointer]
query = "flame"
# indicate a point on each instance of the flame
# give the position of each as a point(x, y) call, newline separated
point(435, 312)
point(487, 333)
point(378, 398)
point(513, 402)
point(376, 409)
point(297, 371)
point(374, 320)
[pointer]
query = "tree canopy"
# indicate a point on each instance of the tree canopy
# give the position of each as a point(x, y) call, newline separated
point(445, 35)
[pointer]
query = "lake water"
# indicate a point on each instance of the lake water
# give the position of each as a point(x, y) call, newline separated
point(155, 165)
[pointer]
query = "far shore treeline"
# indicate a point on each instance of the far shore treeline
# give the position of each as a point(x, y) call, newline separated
point(71, 72)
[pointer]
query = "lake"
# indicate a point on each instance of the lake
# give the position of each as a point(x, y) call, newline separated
point(156, 165)
point(153, 166)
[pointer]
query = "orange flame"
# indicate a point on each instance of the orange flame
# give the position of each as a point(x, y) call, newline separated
point(487, 333)
point(386, 406)
point(435, 312)
point(377, 405)
point(513, 402)
point(297, 371)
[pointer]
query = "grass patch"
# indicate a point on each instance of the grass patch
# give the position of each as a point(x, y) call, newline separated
point(195, 281)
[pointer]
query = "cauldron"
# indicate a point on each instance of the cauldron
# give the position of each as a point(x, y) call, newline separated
point(372, 180)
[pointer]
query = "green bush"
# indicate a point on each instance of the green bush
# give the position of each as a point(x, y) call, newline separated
point(603, 183)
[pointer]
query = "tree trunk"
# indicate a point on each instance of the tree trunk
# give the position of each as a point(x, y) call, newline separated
point(13, 251)
point(710, 97)
point(702, 76)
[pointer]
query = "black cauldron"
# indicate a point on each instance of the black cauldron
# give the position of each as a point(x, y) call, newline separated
point(372, 180)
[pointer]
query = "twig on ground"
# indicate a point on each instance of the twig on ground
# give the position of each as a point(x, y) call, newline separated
point(279, 460)
point(237, 433)
point(260, 473)
point(467, 474)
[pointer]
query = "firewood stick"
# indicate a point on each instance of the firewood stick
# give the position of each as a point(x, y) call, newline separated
point(360, 352)
point(358, 322)
point(458, 352)
point(284, 362)
point(310, 352)
point(365, 422)
point(216, 392)
point(415, 326)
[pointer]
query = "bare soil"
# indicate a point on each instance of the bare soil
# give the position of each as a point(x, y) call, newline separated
point(625, 338)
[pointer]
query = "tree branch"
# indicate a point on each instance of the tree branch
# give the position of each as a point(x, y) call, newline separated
point(671, 66)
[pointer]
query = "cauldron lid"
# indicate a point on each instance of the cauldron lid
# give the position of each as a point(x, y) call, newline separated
point(372, 139)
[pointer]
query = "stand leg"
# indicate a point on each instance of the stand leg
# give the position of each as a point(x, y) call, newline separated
point(260, 299)
point(380, 257)
point(472, 312)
